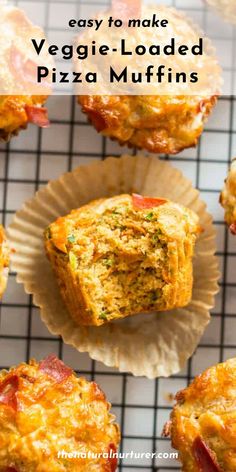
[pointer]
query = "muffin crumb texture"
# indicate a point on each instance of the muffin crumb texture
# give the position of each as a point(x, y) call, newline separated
point(123, 255)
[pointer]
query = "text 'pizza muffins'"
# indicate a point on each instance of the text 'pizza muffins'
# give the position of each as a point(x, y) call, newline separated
point(161, 118)
point(203, 421)
point(18, 73)
point(123, 255)
point(228, 198)
point(4, 261)
point(46, 409)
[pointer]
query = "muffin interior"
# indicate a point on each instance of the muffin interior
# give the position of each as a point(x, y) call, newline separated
point(126, 273)
point(126, 260)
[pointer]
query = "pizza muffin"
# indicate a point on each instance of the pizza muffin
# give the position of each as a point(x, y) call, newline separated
point(47, 411)
point(18, 73)
point(203, 421)
point(159, 124)
point(228, 198)
point(167, 122)
point(4, 261)
point(123, 255)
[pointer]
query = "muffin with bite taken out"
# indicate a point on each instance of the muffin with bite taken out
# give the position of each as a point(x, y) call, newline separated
point(119, 256)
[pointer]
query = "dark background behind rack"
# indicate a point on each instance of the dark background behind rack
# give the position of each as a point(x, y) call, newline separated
point(30, 160)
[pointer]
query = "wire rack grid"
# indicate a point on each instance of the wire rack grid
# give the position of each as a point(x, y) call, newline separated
point(26, 164)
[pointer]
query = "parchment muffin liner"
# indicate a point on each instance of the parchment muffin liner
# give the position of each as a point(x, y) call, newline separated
point(150, 345)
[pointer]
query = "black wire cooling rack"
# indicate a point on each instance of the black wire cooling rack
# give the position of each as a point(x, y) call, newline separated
point(142, 406)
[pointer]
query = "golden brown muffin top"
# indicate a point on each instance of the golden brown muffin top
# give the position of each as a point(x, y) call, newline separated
point(45, 409)
point(21, 103)
point(159, 124)
point(126, 255)
point(203, 422)
point(120, 212)
point(228, 198)
point(161, 118)
point(4, 260)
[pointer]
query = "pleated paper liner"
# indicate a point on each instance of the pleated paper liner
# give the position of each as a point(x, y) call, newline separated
point(150, 345)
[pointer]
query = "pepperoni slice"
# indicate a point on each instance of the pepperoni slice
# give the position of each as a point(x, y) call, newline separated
point(37, 115)
point(10, 469)
point(22, 67)
point(233, 228)
point(126, 9)
point(113, 460)
point(55, 368)
point(8, 390)
point(97, 119)
point(204, 457)
point(144, 203)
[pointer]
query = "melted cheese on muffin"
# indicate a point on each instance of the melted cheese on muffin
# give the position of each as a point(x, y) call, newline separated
point(18, 73)
point(163, 121)
point(45, 410)
point(4, 261)
point(203, 422)
point(156, 123)
point(228, 198)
